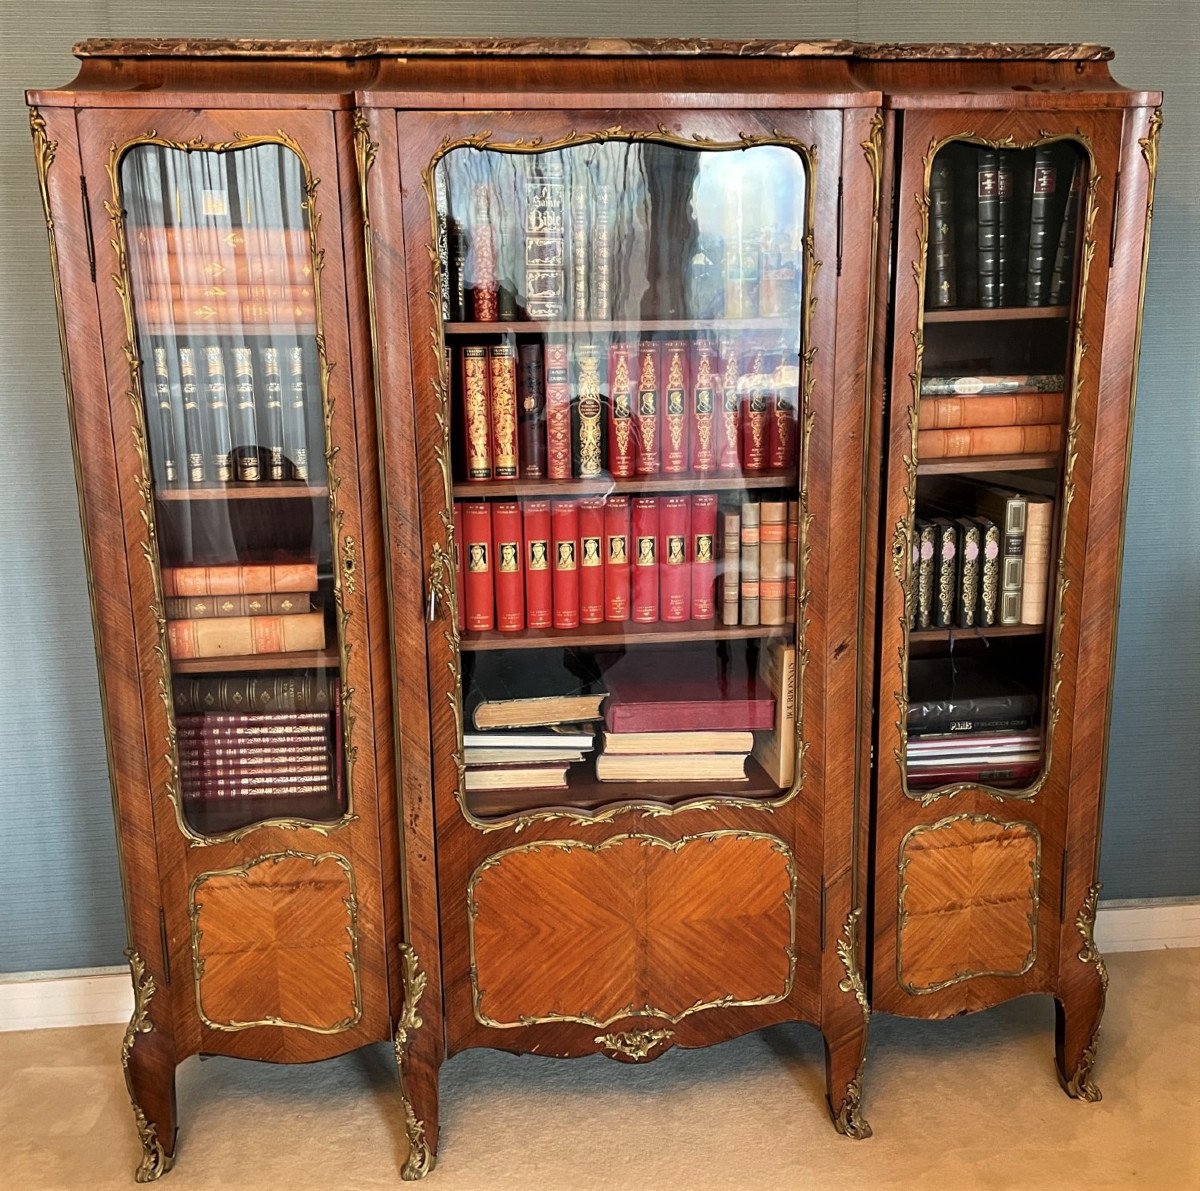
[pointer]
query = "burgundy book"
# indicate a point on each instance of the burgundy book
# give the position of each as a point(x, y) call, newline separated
point(564, 521)
point(647, 455)
point(502, 361)
point(539, 602)
point(674, 412)
point(756, 409)
point(704, 556)
point(591, 560)
point(252, 719)
point(531, 410)
point(477, 412)
point(685, 692)
point(1019, 771)
point(616, 559)
point(477, 555)
point(729, 420)
point(704, 378)
point(508, 549)
point(781, 436)
point(458, 567)
point(485, 288)
point(622, 368)
point(645, 560)
point(558, 411)
point(674, 573)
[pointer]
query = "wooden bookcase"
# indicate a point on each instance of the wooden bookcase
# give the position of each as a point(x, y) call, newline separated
point(288, 209)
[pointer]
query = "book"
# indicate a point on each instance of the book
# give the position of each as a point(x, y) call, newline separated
point(558, 410)
point(193, 418)
point(564, 525)
point(989, 440)
point(948, 413)
point(502, 408)
point(1021, 771)
point(519, 777)
point(673, 743)
point(1063, 273)
point(645, 558)
point(617, 578)
point(273, 436)
point(675, 444)
point(945, 575)
point(1039, 259)
point(775, 750)
point(674, 571)
point(508, 269)
point(995, 225)
point(601, 264)
point(1035, 579)
point(510, 691)
point(244, 418)
point(579, 249)
point(703, 556)
point(485, 285)
point(295, 416)
point(475, 757)
point(756, 409)
point(680, 767)
point(783, 405)
point(591, 560)
point(970, 551)
point(621, 447)
point(196, 269)
point(167, 453)
point(990, 546)
point(729, 548)
point(477, 556)
point(729, 423)
point(545, 220)
point(748, 571)
point(183, 291)
point(793, 559)
point(243, 635)
point(587, 432)
point(704, 378)
point(552, 737)
point(216, 404)
point(646, 454)
point(945, 692)
point(531, 410)
point(460, 590)
point(239, 579)
point(261, 604)
point(508, 550)
point(973, 743)
point(459, 246)
point(772, 562)
point(539, 600)
point(941, 287)
point(313, 690)
point(477, 404)
point(441, 207)
point(924, 551)
point(967, 386)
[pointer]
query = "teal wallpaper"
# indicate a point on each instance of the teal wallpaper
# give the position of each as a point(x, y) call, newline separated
point(60, 904)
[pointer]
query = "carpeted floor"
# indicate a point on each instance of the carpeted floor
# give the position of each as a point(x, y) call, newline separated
point(970, 1103)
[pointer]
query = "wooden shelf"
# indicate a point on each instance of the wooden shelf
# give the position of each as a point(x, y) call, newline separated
point(996, 314)
point(640, 485)
point(322, 659)
point(619, 326)
point(624, 633)
point(266, 490)
point(214, 816)
point(976, 634)
point(966, 464)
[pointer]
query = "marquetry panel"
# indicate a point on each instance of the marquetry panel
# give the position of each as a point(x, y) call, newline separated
point(562, 930)
point(275, 943)
point(968, 901)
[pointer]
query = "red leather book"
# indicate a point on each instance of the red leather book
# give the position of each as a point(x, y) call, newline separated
point(704, 379)
point(622, 367)
point(460, 592)
point(591, 560)
point(539, 602)
point(477, 555)
point(616, 559)
point(531, 410)
point(675, 407)
point(558, 411)
point(587, 436)
point(485, 292)
point(755, 410)
point(674, 573)
point(646, 454)
point(508, 549)
point(477, 403)
point(645, 559)
point(729, 421)
point(781, 436)
point(704, 556)
point(564, 520)
point(502, 375)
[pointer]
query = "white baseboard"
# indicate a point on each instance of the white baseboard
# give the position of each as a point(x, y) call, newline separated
point(104, 996)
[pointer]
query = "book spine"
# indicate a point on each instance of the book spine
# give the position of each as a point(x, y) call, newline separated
point(1035, 582)
point(507, 551)
point(265, 604)
point(704, 556)
point(1012, 566)
point(458, 248)
point(602, 254)
point(157, 242)
point(459, 581)
point(781, 436)
point(620, 411)
point(793, 555)
point(273, 414)
point(558, 411)
point(755, 412)
point(531, 410)
point(507, 268)
point(217, 405)
point(477, 555)
point(988, 208)
point(772, 561)
point(441, 204)
point(544, 226)
point(1004, 221)
point(502, 377)
point(730, 549)
point(245, 417)
point(218, 311)
point(309, 691)
point(244, 635)
point(564, 518)
point(1041, 207)
point(990, 440)
point(647, 456)
point(748, 564)
point(951, 413)
point(588, 429)
point(539, 600)
point(295, 416)
point(968, 386)
point(645, 559)
point(616, 559)
point(969, 560)
point(281, 787)
point(675, 407)
point(306, 758)
point(704, 378)
point(591, 560)
point(926, 568)
point(945, 549)
point(253, 722)
point(193, 418)
point(485, 285)
point(1061, 278)
point(729, 424)
point(579, 251)
point(990, 547)
point(241, 579)
point(181, 291)
point(168, 452)
point(941, 283)
point(674, 538)
point(476, 377)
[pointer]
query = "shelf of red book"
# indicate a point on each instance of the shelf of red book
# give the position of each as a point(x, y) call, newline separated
point(621, 326)
point(980, 632)
point(966, 464)
point(266, 490)
point(621, 633)
point(323, 659)
point(995, 314)
point(642, 485)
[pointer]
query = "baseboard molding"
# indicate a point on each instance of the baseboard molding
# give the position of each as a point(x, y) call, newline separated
point(104, 996)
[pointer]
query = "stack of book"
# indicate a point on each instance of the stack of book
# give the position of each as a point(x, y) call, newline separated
point(242, 609)
point(967, 722)
point(583, 409)
point(964, 416)
point(757, 557)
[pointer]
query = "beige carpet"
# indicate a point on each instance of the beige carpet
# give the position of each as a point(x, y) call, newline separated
point(971, 1103)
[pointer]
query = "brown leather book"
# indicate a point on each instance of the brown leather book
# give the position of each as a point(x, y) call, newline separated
point(772, 562)
point(262, 604)
point(476, 386)
point(244, 635)
point(1032, 409)
point(502, 361)
point(239, 579)
point(311, 691)
point(991, 440)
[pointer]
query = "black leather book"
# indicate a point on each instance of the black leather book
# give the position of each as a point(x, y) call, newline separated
point(923, 542)
point(1062, 278)
point(970, 552)
point(458, 272)
point(988, 225)
point(946, 693)
point(531, 410)
point(941, 282)
point(1042, 206)
point(945, 579)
